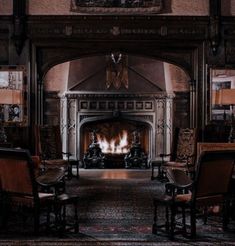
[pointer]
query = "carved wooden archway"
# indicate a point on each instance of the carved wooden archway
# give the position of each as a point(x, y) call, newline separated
point(177, 40)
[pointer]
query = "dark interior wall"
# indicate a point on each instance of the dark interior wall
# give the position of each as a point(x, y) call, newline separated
point(180, 39)
point(181, 110)
point(4, 40)
point(150, 69)
point(85, 70)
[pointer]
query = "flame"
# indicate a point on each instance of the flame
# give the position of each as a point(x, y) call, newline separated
point(116, 145)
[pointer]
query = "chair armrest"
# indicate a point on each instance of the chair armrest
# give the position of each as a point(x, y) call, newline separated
point(174, 189)
point(165, 155)
point(51, 177)
point(67, 153)
point(178, 186)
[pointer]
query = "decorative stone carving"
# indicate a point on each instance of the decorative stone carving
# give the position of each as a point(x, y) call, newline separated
point(136, 156)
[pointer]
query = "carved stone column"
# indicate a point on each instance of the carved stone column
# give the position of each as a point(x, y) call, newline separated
point(192, 109)
point(64, 122)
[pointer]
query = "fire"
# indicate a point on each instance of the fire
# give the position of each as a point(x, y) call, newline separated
point(117, 145)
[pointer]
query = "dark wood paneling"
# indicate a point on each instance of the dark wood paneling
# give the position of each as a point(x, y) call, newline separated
point(181, 110)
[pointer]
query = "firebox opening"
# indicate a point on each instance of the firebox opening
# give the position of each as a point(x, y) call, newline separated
point(115, 138)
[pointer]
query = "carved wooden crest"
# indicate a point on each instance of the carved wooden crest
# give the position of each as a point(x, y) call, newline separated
point(117, 71)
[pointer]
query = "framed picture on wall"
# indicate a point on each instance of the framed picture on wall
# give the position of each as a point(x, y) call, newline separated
point(13, 91)
point(222, 84)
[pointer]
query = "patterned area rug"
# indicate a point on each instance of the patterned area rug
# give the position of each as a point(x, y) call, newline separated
point(116, 210)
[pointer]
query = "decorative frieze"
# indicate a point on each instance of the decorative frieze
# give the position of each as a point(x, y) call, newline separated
point(116, 105)
point(117, 31)
point(111, 27)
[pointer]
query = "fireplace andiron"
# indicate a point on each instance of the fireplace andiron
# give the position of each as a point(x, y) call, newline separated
point(94, 158)
point(136, 156)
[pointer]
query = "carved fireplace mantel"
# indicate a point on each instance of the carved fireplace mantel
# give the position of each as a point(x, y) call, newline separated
point(151, 109)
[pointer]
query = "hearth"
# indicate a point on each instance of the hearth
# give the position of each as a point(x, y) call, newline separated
point(114, 117)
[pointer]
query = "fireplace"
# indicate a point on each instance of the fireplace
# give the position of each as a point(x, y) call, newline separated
point(115, 138)
point(114, 117)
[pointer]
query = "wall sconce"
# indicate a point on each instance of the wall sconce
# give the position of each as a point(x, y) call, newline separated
point(8, 96)
point(227, 97)
point(216, 100)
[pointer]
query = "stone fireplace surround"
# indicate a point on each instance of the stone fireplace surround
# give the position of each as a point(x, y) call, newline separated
point(153, 110)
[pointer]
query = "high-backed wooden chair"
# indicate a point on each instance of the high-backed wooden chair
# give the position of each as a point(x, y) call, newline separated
point(49, 148)
point(210, 188)
point(183, 153)
point(17, 179)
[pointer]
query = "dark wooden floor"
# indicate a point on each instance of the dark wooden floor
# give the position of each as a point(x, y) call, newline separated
point(116, 173)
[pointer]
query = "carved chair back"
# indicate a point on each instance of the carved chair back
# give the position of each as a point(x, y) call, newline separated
point(185, 144)
point(17, 173)
point(48, 142)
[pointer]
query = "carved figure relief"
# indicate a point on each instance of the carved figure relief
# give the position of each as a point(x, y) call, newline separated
point(117, 71)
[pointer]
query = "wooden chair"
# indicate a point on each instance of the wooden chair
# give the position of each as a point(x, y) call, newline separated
point(49, 148)
point(182, 156)
point(18, 183)
point(20, 188)
point(210, 188)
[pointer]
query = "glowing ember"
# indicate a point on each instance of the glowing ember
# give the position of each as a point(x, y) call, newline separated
point(116, 145)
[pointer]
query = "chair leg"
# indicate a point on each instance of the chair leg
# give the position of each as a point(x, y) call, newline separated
point(77, 166)
point(154, 227)
point(63, 220)
point(172, 226)
point(36, 220)
point(205, 215)
point(152, 176)
point(76, 225)
point(5, 212)
point(184, 220)
point(57, 212)
point(167, 219)
point(225, 215)
point(193, 222)
point(48, 218)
